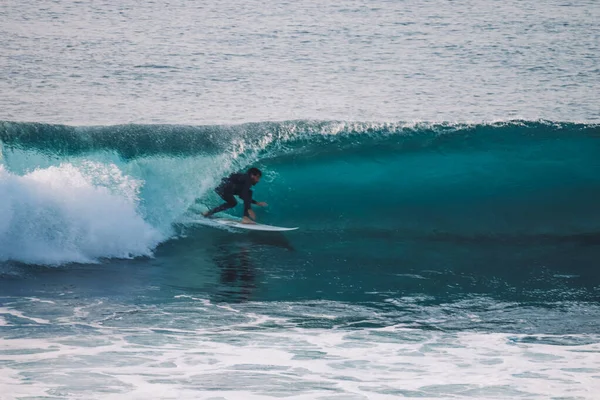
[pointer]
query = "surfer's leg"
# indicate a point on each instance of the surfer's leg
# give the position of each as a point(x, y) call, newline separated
point(230, 202)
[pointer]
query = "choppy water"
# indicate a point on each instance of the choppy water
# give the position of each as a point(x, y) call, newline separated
point(441, 159)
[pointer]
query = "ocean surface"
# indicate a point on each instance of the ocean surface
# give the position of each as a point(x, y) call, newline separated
point(440, 158)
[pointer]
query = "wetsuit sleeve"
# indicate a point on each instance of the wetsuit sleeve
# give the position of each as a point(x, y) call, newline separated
point(247, 197)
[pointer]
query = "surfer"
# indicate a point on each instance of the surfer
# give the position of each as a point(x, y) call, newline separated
point(238, 184)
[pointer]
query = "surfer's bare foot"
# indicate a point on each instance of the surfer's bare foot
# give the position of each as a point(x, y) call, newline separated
point(205, 214)
point(247, 220)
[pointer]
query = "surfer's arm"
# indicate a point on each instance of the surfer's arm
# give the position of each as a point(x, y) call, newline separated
point(246, 195)
point(258, 203)
point(247, 207)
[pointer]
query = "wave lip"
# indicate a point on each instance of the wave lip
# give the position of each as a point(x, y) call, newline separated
point(131, 141)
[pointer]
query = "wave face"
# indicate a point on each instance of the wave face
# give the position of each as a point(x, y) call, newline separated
point(79, 194)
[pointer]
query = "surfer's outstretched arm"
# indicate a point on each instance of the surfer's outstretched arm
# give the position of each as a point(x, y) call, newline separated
point(259, 203)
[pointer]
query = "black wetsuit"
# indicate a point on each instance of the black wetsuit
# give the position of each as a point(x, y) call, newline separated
point(234, 185)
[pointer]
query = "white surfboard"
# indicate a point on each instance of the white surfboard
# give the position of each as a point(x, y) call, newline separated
point(252, 227)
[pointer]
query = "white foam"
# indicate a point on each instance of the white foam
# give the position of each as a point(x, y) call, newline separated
point(71, 213)
point(307, 364)
point(248, 355)
point(35, 299)
point(19, 314)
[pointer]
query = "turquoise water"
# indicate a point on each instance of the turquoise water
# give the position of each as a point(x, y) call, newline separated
point(442, 161)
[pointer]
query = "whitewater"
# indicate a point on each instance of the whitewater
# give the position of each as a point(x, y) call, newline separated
point(441, 159)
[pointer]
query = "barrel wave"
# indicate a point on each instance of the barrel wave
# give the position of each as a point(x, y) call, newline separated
point(83, 194)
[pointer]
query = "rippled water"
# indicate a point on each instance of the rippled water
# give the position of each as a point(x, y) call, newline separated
point(189, 62)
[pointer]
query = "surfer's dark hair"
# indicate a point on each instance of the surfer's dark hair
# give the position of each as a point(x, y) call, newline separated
point(254, 171)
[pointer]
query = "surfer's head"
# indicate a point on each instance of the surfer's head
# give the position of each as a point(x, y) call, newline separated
point(255, 175)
